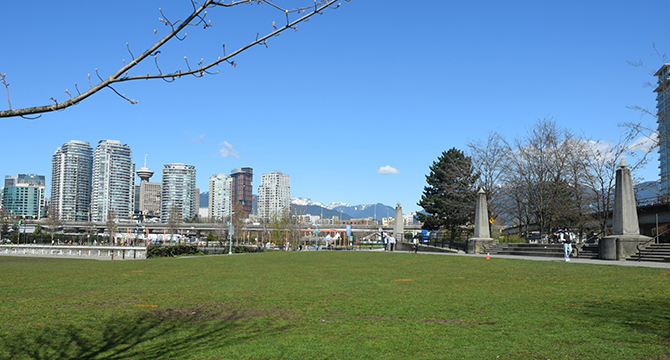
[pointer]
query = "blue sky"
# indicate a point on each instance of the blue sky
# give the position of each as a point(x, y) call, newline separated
point(370, 86)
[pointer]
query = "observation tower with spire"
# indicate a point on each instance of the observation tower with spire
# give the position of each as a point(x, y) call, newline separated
point(150, 193)
point(144, 173)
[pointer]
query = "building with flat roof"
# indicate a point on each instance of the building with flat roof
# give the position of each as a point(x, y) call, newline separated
point(71, 181)
point(113, 190)
point(241, 188)
point(178, 190)
point(274, 195)
point(220, 192)
point(24, 195)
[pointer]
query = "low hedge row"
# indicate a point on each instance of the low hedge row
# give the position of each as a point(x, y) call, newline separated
point(171, 251)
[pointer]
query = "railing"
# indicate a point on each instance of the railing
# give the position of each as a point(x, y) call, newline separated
point(76, 251)
point(452, 244)
point(596, 236)
point(639, 255)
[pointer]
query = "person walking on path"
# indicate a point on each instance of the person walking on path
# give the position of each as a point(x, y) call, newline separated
point(567, 244)
point(391, 242)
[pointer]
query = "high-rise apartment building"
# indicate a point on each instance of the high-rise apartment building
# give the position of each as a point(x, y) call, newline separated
point(149, 194)
point(23, 195)
point(71, 181)
point(662, 110)
point(220, 192)
point(113, 181)
point(178, 190)
point(274, 195)
point(241, 188)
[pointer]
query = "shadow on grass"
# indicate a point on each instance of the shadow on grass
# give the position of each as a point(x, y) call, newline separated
point(156, 334)
point(646, 316)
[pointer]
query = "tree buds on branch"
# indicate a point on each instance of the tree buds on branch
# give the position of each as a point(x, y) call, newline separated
point(196, 18)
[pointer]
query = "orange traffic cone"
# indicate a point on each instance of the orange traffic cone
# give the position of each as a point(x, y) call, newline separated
point(488, 257)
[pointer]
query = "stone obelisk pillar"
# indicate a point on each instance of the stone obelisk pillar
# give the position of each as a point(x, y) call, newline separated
point(398, 225)
point(482, 217)
point(625, 226)
point(482, 234)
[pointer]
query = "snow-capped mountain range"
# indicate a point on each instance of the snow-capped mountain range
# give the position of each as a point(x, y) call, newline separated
point(344, 210)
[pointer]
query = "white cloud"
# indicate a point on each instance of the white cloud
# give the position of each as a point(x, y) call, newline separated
point(645, 144)
point(199, 139)
point(227, 149)
point(387, 170)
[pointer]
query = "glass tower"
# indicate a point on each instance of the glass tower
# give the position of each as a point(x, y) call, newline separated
point(113, 181)
point(662, 110)
point(178, 189)
point(23, 195)
point(241, 188)
point(220, 186)
point(71, 175)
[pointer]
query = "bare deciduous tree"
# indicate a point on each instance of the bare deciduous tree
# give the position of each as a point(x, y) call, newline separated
point(283, 226)
point(4, 223)
point(174, 220)
point(490, 160)
point(601, 160)
point(239, 219)
point(290, 18)
point(111, 225)
point(537, 187)
point(552, 178)
point(53, 222)
point(644, 133)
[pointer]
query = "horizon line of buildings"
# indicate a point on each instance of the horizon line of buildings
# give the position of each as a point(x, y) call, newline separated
point(99, 184)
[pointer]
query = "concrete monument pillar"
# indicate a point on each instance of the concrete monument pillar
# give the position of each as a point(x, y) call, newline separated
point(482, 216)
point(398, 225)
point(482, 235)
point(625, 226)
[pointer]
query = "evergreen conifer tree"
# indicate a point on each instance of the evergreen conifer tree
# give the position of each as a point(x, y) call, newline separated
point(449, 198)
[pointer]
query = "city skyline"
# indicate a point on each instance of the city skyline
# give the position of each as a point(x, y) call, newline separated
point(353, 106)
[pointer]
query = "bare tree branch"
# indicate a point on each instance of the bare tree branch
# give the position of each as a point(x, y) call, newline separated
point(197, 17)
point(2, 80)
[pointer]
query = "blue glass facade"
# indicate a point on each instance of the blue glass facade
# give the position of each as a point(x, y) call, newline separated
point(25, 196)
point(71, 176)
point(662, 110)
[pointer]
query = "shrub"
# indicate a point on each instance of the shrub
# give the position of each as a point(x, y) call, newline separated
point(171, 251)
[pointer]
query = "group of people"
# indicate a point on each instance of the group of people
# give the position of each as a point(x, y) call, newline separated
point(565, 237)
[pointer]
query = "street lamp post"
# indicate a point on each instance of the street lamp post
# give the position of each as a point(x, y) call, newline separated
point(230, 238)
point(230, 228)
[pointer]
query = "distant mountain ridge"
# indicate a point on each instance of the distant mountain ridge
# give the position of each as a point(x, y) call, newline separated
point(377, 211)
point(342, 210)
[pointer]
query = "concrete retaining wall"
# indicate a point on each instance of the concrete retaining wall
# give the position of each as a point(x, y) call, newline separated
point(97, 252)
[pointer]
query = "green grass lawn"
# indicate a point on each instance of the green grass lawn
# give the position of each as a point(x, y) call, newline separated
point(331, 305)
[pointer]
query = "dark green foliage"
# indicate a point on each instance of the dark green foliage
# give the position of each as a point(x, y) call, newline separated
point(38, 229)
point(4, 230)
point(244, 249)
point(449, 198)
point(170, 251)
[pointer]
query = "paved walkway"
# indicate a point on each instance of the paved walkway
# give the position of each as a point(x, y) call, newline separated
point(651, 264)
